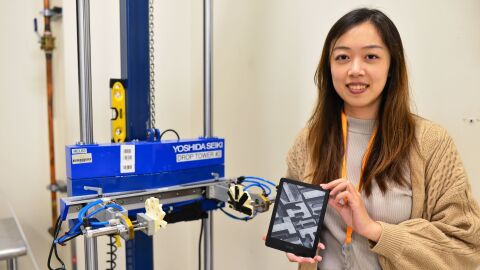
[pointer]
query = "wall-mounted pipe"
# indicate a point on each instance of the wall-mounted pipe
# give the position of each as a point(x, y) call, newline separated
point(47, 45)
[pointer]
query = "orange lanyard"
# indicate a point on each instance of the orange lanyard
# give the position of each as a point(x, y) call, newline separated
point(348, 233)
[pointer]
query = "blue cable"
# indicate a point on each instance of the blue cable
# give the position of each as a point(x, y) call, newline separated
point(104, 223)
point(252, 181)
point(112, 205)
point(259, 179)
point(99, 224)
point(68, 234)
point(74, 230)
point(82, 213)
point(96, 211)
point(262, 186)
point(84, 210)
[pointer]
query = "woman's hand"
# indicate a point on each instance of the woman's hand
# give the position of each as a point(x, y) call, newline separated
point(294, 258)
point(352, 210)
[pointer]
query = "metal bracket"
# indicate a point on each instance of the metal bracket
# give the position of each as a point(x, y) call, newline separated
point(60, 186)
point(55, 12)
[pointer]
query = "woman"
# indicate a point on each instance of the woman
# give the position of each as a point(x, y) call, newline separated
point(400, 197)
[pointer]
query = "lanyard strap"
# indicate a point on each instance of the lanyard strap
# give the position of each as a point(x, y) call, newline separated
point(348, 233)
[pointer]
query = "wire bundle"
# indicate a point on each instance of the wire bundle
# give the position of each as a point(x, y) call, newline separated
point(253, 181)
point(82, 218)
point(75, 231)
point(53, 248)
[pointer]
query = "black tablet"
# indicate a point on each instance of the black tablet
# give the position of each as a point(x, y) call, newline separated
point(297, 218)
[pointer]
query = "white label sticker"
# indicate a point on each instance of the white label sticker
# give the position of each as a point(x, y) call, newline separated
point(199, 156)
point(127, 158)
point(82, 158)
point(79, 151)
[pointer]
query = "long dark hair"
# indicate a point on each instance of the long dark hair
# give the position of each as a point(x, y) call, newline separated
point(396, 127)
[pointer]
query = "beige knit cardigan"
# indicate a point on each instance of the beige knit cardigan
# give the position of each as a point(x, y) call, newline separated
point(443, 231)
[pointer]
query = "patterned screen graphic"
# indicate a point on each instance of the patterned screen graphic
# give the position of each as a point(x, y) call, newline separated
point(298, 214)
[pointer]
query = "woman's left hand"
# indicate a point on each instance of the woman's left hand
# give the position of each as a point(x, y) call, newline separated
point(348, 202)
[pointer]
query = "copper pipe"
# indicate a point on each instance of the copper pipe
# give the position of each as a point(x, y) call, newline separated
point(46, 19)
point(53, 179)
point(47, 46)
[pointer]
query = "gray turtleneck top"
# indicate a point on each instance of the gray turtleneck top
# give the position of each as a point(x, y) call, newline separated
point(392, 207)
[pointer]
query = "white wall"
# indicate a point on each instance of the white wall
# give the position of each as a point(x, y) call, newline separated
point(24, 160)
point(265, 55)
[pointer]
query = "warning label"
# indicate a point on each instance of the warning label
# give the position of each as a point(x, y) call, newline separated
point(199, 156)
point(82, 158)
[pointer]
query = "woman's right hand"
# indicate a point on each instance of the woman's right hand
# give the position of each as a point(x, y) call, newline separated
point(294, 258)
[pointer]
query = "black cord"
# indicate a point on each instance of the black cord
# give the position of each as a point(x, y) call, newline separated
point(247, 218)
point(51, 247)
point(200, 247)
point(54, 247)
point(171, 130)
point(58, 258)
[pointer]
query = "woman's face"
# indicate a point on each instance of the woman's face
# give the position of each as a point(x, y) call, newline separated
point(359, 64)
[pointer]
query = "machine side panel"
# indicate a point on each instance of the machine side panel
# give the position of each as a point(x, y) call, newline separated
point(138, 158)
point(142, 182)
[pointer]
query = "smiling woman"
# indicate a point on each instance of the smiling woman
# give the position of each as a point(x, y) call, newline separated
point(359, 65)
point(399, 194)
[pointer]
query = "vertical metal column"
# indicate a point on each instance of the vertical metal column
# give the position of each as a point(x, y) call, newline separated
point(207, 67)
point(84, 71)
point(12, 264)
point(85, 99)
point(91, 260)
point(207, 120)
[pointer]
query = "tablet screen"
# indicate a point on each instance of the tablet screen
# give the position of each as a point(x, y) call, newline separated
point(298, 214)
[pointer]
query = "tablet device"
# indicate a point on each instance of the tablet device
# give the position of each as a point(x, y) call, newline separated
point(297, 218)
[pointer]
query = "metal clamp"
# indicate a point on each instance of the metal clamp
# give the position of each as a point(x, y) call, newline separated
point(52, 12)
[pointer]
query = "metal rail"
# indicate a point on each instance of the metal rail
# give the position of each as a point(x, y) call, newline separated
point(91, 256)
point(207, 61)
point(84, 71)
point(136, 199)
point(85, 106)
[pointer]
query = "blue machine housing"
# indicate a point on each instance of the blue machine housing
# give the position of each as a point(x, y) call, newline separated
point(139, 165)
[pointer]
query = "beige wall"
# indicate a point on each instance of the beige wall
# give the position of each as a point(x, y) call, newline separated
point(265, 54)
